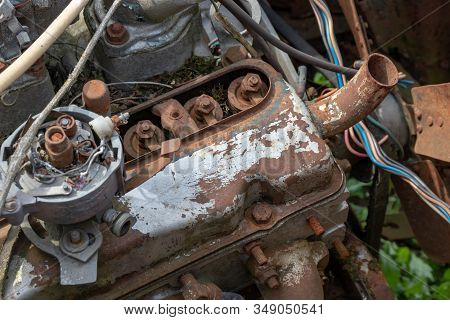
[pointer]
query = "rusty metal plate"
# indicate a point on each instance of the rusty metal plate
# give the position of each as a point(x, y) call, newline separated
point(432, 115)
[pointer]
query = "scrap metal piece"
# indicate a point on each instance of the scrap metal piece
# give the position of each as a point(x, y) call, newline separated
point(246, 92)
point(175, 118)
point(358, 98)
point(432, 118)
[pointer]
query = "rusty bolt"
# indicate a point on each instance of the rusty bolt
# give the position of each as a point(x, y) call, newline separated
point(273, 283)
point(254, 249)
point(233, 55)
point(315, 226)
point(261, 213)
point(116, 34)
point(145, 129)
point(204, 104)
point(440, 122)
point(429, 121)
point(75, 236)
point(251, 84)
point(341, 249)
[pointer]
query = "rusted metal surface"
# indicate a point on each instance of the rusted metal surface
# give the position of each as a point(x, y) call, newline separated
point(194, 219)
point(195, 290)
point(58, 147)
point(233, 55)
point(204, 110)
point(354, 21)
point(96, 97)
point(175, 118)
point(362, 273)
point(142, 138)
point(430, 229)
point(246, 92)
point(432, 118)
point(298, 267)
point(117, 34)
point(358, 98)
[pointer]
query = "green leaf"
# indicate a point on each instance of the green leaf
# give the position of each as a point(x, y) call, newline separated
point(442, 292)
point(403, 256)
point(321, 80)
point(420, 268)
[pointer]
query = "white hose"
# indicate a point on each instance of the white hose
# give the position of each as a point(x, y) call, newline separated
point(41, 45)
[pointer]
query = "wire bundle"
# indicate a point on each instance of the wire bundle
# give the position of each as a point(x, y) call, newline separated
point(367, 140)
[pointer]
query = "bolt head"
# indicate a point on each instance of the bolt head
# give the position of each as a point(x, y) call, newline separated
point(145, 129)
point(116, 34)
point(429, 121)
point(262, 213)
point(440, 122)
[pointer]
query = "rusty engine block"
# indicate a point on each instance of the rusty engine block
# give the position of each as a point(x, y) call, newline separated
point(213, 196)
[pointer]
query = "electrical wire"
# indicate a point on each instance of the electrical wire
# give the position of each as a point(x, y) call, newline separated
point(366, 138)
point(250, 24)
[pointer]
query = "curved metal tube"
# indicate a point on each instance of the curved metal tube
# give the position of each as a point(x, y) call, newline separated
point(358, 98)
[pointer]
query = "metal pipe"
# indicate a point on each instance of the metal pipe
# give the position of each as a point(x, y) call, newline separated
point(40, 46)
point(358, 98)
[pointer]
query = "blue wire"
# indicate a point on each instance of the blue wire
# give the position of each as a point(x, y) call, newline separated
point(331, 49)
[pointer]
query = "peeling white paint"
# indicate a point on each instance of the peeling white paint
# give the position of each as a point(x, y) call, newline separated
point(176, 190)
point(19, 284)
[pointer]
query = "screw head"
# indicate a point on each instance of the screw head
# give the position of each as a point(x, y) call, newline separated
point(429, 121)
point(440, 122)
point(419, 128)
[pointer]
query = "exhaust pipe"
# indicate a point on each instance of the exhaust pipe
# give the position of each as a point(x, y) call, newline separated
point(358, 98)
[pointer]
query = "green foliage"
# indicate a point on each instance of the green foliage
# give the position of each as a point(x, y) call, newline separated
point(410, 274)
point(321, 80)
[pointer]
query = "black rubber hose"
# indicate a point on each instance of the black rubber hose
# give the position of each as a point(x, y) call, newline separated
point(284, 29)
point(250, 24)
